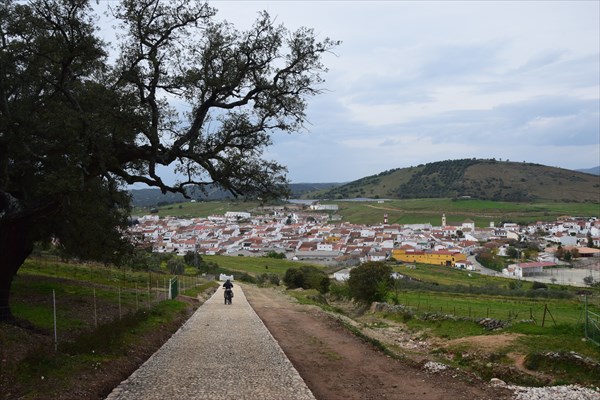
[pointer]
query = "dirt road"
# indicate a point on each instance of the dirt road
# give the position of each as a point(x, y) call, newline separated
point(336, 364)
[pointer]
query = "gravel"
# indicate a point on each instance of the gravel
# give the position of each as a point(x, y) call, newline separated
point(563, 392)
point(221, 352)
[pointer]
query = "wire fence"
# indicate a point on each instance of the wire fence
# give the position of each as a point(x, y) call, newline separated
point(592, 324)
point(69, 308)
point(538, 311)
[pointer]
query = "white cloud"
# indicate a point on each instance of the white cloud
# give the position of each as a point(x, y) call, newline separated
point(416, 82)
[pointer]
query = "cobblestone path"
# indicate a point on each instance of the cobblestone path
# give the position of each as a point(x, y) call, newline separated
point(222, 352)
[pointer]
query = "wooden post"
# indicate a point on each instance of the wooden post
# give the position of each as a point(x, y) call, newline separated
point(544, 317)
point(95, 310)
point(55, 334)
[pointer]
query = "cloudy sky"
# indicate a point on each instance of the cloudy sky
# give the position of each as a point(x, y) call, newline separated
point(422, 81)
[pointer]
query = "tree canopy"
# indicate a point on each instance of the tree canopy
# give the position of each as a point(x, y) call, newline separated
point(77, 124)
point(370, 281)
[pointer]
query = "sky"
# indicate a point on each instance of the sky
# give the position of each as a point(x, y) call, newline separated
point(415, 82)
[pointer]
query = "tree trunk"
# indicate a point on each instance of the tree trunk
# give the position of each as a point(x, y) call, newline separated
point(15, 246)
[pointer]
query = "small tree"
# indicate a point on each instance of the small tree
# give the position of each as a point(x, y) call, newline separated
point(276, 255)
point(193, 258)
point(369, 281)
point(512, 252)
point(306, 277)
point(176, 266)
point(590, 239)
point(588, 280)
point(560, 253)
point(293, 278)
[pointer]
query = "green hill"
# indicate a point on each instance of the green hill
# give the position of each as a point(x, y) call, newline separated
point(474, 178)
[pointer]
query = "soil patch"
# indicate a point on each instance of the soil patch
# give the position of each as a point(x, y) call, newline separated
point(336, 364)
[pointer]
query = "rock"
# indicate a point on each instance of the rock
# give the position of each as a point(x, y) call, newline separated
point(497, 382)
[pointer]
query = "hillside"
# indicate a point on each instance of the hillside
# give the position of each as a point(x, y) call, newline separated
point(475, 178)
point(154, 197)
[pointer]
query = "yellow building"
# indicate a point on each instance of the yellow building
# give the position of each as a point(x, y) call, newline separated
point(443, 257)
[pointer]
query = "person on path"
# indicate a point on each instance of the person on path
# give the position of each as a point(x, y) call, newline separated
point(228, 285)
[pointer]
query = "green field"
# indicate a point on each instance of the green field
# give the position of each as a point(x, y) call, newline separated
point(482, 212)
point(255, 265)
point(198, 209)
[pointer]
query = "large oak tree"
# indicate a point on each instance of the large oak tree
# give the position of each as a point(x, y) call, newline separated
point(77, 126)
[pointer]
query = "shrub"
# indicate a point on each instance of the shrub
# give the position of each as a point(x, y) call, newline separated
point(246, 278)
point(369, 281)
point(306, 277)
point(276, 255)
point(271, 278)
point(539, 285)
point(339, 290)
point(176, 266)
point(293, 278)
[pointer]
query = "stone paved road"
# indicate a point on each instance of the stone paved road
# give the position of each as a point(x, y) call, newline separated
point(222, 352)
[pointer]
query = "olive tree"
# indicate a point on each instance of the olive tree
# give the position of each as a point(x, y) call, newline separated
point(186, 91)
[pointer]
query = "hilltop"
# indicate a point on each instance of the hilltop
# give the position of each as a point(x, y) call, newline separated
point(474, 178)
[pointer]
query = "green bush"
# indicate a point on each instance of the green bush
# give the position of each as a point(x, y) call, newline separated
point(276, 255)
point(272, 278)
point(538, 285)
point(339, 290)
point(246, 278)
point(293, 278)
point(306, 277)
point(369, 282)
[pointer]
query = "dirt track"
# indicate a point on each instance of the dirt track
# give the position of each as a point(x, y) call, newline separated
point(335, 364)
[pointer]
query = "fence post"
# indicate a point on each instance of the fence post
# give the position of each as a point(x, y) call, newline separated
point(173, 288)
point(54, 307)
point(585, 324)
point(544, 317)
point(95, 310)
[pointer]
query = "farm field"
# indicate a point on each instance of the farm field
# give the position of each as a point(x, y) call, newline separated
point(413, 211)
point(255, 265)
point(482, 212)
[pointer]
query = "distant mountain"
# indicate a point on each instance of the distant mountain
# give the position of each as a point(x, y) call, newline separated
point(474, 178)
point(154, 197)
point(593, 171)
point(300, 189)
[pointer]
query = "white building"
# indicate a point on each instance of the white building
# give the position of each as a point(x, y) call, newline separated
point(342, 275)
point(526, 269)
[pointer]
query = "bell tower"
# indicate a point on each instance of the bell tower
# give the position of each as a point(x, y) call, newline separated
point(443, 220)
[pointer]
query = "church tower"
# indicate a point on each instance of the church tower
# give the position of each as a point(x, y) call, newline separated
point(443, 220)
point(385, 219)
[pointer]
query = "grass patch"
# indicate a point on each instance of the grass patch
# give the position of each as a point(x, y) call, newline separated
point(504, 308)
point(91, 350)
point(447, 329)
point(204, 287)
point(565, 367)
point(256, 265)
